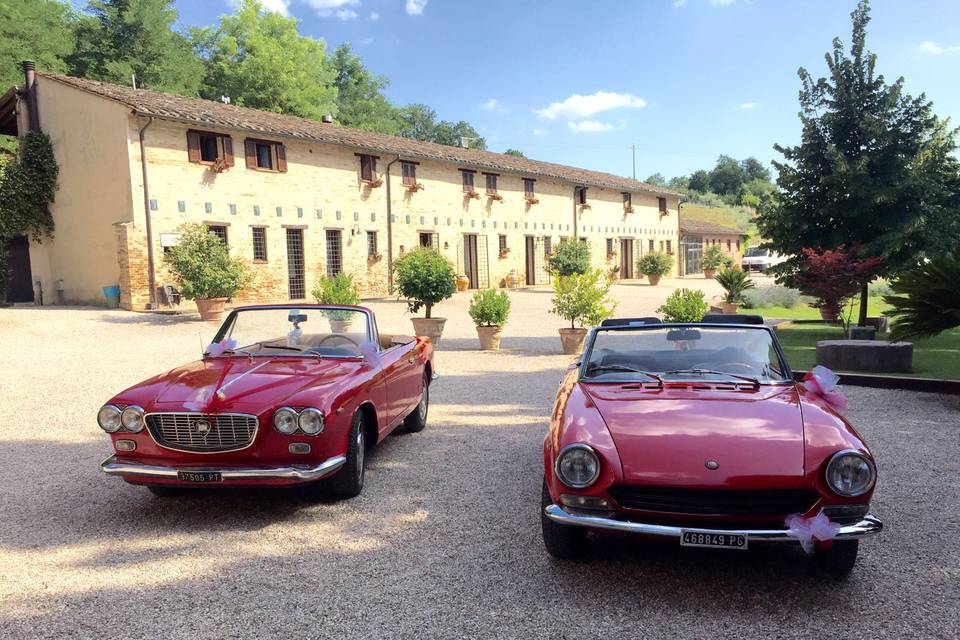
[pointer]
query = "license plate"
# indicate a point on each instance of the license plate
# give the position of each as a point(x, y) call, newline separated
point(199, 476)
point(694, 538)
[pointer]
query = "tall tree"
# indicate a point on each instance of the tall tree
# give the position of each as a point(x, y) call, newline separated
point(727, 176)
point(699, 181)
point(360, 99)
point(259, 59)
point(418, 121)
point(656, 179)
point(753, 169)
point(38, 30)
point(874, 166)
point(121, 39)
point(514, 152)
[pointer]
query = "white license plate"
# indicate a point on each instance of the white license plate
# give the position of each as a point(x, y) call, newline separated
point(698, 538)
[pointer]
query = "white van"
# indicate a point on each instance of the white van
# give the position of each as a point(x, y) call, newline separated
point(757, 259)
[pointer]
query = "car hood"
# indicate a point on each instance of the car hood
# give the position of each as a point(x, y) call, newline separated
point(248, 384)
point(666, 436)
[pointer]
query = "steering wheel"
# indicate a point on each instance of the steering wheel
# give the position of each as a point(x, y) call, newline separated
point(747, 368)
point(338, 336)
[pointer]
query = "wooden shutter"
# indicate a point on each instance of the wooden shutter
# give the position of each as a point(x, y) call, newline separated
point(193, 146)
point(228, 151)
point(250, 149)
point(281, 158)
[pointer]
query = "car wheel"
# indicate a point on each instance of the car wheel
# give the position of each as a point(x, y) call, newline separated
point(562, 541)
point(839, 559)
point(165, 492)
point(417, 419)
point(348, 481)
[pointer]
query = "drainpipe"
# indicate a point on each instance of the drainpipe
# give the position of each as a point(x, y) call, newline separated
point(30, 92)
point(151, 274)
point(390, 225)
point(575, 232)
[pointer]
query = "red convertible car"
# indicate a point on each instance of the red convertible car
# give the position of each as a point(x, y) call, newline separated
point(284, 395)
point(697, 432)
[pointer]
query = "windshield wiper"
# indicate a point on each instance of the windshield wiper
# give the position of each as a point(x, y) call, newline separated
point(621, 367)
point(263, 345)
point(752, 381)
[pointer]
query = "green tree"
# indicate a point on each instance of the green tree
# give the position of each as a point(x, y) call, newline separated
point(458, 134)
point(727, 176)
point(657, 179)
point(360, 99)
point(753, 169)
point(679, 182)
point(260, 60)
point(418, 121)
point(699, 181)
point(874, 166)
point(38, 30)
point(514, 152)
point(119, 39)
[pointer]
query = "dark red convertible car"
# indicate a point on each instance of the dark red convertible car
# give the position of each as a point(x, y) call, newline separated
point(698, 433)
point(285, 394)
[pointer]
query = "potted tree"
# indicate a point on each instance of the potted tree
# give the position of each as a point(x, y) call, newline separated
point(581, 299)
point(569, 258)
point(489, 310)
point(734, 282)
point(713, 259)
point(339, 289)
point(425, 278)
point(204, 271)
point(655, 265)
point(684, 305)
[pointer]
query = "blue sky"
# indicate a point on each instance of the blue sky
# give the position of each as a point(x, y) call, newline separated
point(577, 82)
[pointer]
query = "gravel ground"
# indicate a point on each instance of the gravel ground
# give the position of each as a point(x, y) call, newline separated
point(445, 541)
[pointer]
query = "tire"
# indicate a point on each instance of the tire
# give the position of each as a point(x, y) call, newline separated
point(838, 561)
point(563, 542)
point(417, 419)
point(348, 481)
point(165, 492)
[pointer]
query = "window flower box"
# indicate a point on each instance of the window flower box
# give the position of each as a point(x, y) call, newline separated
point(627, 208)
point(414, 187)
point(472, 195)
point(585, 206)
point(219, 165)
point(532, 200)
point(377, 257)
point(373, 184)
point(504, 252)
point(495, 196)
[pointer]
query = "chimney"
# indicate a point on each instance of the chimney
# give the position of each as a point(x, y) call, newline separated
point(30, 93)
point(327, 119)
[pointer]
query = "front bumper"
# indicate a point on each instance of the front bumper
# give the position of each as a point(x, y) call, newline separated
point(298, 473)
point(869, 525)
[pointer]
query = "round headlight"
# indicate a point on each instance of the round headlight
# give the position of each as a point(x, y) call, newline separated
point(850, 473)
point(578, 466)
point(311, 421)
point(132, 419)
point(285, 420)
point(109, 418)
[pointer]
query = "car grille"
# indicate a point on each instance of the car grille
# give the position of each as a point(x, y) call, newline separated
point(202, 432)
point(713, 501)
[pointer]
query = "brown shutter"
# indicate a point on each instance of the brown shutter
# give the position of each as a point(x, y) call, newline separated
point(281, 158)
point(228, 151)
point(250, 148)
point(193, 146)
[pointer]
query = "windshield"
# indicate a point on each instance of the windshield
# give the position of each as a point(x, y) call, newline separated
point(755, 252)
point(323, 331)
point(694, 351)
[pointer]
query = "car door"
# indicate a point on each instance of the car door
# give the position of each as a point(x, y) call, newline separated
point(402, 374)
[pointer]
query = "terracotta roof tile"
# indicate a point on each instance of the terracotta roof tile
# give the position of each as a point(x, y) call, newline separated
point(207, 112)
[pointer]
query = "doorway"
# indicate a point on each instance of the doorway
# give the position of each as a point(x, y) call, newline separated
point(530, 260)
point(471, 266)
point(20, 286)
point(626, 258)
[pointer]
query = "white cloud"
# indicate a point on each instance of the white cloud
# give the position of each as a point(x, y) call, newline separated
point(273, 6)
point(539, 132)
point(374, 16)
point(679, 3)
point(339, 8)
point(493, 105)
point(722, 3)
point(748, 105)
point(589, 126)
point(367, 40)
point(929, 46)
point(578, 106)
point(416, 7)
point(346, 14)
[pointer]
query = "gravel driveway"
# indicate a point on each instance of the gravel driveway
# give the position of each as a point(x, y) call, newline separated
point(445, 540)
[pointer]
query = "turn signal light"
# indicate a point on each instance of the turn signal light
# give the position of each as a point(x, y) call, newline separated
point(125, 445)
point(298, 447)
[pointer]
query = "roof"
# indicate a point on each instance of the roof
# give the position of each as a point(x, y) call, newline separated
point(690, 225)
point(8, 112)
point(168, 106)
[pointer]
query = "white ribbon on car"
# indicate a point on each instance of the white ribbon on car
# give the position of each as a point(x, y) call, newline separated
point(822, 382)
point(216, 348)
point(817, 528)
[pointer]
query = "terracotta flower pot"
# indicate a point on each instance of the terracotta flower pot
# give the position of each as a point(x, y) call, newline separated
point(653, 279)
point(830, 312)
point(462, 283)
point(709, 274)
point(211, 309)
point(730, 307)
point(572, 340)
point(489, 338)
point(340, 326)
point(429, 327)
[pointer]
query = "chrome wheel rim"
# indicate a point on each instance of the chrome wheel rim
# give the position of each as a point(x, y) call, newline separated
point(422, 408)
point(360, 453)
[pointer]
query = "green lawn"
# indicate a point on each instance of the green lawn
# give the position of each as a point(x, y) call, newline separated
point(937, 357)
point(875, 307)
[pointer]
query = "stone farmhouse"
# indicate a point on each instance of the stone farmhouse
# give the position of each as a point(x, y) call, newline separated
point(298, 199)
point(697, 235)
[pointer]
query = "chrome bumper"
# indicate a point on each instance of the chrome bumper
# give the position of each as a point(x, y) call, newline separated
point(299, 473)
point(868, 526)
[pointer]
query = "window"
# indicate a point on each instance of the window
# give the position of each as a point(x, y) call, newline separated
point(207, 148)
point(528, 191)
point(609, 246)
point(371, 244)
point(265, 155)
point(409, 170)
point(491, 183)
point(467, 176)
point(503, 243)
point(738, 245)
point(334, 253)
point(426, 239)
point(368, 168)
point(669, 246)
point(728, 245)
point(663, 204)
point(627, 200)
point(583, 240)
point(547, 245)
point(218, 230)
point(650, 248)
point(581, 195)
point(259, 244)
point(661, 246)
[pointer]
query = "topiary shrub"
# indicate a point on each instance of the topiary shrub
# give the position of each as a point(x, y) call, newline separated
point(582, 298)
point(571, 257)
point(684, 305)
point(424, 278)
point(340, 289)
point(655, 264)
point(202, 266)
point(490, 308)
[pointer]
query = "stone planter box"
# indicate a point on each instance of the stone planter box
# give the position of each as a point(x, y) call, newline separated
point(872, 356)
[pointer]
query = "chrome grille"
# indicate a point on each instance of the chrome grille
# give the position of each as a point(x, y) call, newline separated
point(202, 432)
point(714, 501)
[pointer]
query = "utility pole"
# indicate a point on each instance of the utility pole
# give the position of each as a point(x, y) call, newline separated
point(633, 159)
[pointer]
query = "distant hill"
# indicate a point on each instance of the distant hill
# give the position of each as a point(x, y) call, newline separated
point(735, 217)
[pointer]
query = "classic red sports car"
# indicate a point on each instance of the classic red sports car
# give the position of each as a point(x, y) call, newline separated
point(697, 432)
point(285, 394)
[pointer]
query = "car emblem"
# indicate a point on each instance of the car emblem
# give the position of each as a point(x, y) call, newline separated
point(713, 465)
point(202, 427)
